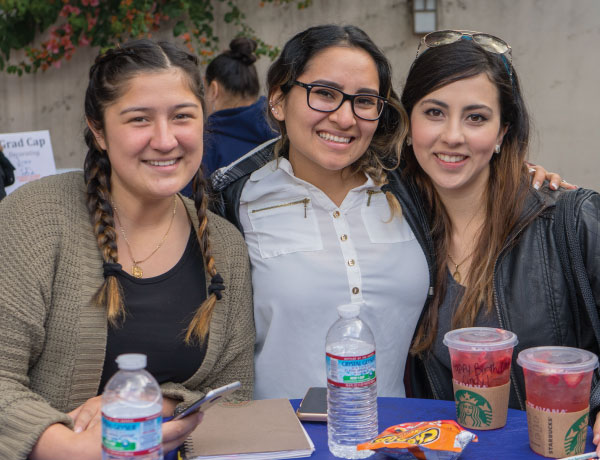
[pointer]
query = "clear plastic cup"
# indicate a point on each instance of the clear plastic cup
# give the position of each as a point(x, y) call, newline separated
point(558, 381)
point(481, 358)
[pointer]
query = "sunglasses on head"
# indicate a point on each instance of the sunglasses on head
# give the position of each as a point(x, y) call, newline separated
point(488, 42)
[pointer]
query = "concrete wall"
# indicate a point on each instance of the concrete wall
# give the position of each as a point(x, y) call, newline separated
point(555, 51)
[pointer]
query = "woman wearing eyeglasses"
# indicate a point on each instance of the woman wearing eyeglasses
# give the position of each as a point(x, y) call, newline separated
point(493, 236)
point(321, 227)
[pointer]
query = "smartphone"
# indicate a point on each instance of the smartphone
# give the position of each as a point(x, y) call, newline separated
point(313, 407)
point(211, 398)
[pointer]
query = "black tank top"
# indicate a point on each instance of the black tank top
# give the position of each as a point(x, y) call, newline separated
point(159, 310)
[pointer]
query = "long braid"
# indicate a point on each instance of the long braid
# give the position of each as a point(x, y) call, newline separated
point(97, 178)
point(198, 327)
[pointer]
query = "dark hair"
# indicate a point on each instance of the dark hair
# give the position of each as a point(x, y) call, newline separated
point(235, 69)
point(384, 150)
point(507, 185)
point(109, 76)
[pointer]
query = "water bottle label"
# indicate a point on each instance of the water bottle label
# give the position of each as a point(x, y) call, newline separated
point(131, 437)
point(351, 371)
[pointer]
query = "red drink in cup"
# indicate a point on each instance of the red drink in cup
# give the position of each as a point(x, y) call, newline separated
point(557, 382)
point(558, 392)
point(481, 368)
point(481, 359)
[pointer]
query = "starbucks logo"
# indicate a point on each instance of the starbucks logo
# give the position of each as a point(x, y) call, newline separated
point(575, 438)
point(472, 409)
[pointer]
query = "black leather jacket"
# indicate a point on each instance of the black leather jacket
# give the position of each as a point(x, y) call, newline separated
point(530, 290)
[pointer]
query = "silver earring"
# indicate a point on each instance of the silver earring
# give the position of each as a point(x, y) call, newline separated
point(497, 149)
point(408, 141)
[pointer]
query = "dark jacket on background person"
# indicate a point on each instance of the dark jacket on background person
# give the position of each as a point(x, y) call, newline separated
point(531, 291)
point(7, 175)
point(231, 133)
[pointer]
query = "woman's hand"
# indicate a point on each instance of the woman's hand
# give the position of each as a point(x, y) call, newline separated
point(84, 442)
point(540, 174)
point(169, 406)
point(90, 412)
point(58, 441)
point(596, 433)
point(87, 415)
point(175, 432)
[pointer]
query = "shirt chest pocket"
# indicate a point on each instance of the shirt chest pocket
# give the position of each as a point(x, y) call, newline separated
point(376, 214)
point(285, 227)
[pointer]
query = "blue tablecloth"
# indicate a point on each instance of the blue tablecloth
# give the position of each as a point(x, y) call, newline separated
point(508, 443)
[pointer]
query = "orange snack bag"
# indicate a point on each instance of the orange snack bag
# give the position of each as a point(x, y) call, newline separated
point(438, 440)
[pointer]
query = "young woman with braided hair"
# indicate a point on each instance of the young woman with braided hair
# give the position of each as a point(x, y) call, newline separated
point(114, 260)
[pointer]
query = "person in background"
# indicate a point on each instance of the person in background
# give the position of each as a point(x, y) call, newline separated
point(497, 262)
point(113, 260)
point(7, 175)
point(237, 119)
point(323, 222)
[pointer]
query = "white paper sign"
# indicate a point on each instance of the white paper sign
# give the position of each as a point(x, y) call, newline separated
point(31, 155)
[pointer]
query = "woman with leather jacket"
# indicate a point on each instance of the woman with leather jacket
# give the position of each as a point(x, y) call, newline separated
point(497, 262)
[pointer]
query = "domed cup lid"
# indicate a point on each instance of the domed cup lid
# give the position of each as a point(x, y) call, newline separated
point(480, 339)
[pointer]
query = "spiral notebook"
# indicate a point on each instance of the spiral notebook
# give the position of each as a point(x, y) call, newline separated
point(252, 430)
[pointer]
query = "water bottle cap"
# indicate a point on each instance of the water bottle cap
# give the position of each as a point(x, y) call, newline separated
point(350, 310)
point(131, 361)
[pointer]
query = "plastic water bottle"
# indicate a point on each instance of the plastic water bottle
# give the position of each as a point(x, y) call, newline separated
point(132, 412)
point(351, 384)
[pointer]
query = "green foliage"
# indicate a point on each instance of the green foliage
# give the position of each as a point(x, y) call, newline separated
point(72, 24)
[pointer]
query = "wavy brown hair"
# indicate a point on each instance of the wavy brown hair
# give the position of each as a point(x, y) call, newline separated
point(108, 80)
point(384, 151)
point(506, 189)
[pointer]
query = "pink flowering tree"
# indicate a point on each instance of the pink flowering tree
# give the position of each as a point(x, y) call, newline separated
point(66, 25)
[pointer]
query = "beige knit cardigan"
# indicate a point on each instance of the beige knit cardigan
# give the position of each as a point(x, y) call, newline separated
point(53, 339)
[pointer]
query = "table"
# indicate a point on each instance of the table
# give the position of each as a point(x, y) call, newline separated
point(508, 443)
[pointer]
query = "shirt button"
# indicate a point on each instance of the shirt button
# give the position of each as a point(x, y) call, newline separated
point(355, 290)
point(351, 262)
point(336, 214)
point(344, 237)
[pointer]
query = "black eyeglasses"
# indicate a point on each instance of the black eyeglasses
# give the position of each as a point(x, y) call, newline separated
point(488, 42)
point(323, 98)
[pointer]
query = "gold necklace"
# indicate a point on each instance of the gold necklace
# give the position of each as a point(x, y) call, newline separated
point(136, 270)
point(456, 274)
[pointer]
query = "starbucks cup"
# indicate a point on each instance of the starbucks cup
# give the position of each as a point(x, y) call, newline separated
point(557, 383)
point(481, 359)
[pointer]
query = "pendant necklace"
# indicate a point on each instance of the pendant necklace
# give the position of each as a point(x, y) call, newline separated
point(136, 270)
point(456, 274)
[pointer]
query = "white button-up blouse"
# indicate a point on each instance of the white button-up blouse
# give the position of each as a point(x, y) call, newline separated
point(308, 256)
